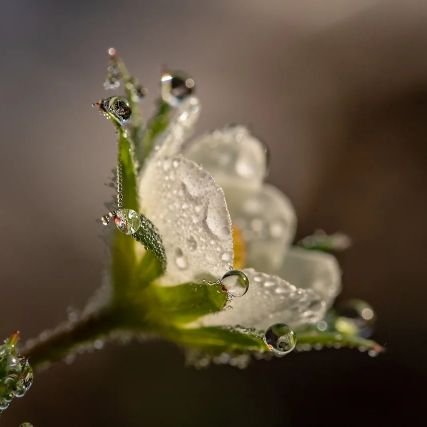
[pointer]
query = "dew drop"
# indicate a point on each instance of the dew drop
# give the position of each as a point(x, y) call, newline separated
point(113, 77)
point(127, 221)
point(175, 87)
point(235, 282)
point(355, 317)
point(192, 243)
point(180, 259)
point(117, 106)
point(226, 257)
point(280, 338)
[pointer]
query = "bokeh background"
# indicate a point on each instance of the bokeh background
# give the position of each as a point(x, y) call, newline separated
point(338, 91)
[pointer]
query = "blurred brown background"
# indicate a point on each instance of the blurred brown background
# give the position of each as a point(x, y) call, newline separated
point(337, 89)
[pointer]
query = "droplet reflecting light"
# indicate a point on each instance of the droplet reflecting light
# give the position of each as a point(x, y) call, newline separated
point(280, 338)
point(235, 282)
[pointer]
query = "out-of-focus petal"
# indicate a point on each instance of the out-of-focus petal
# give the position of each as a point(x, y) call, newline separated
point(189, 210)
point(230, 154)
point(314, 270)
point(270, 300)
point(267, 221)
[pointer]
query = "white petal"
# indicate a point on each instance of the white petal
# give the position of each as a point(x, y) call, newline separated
point(191, 214)
point(269, 300)
point(180, 128)
point(228, 154)
point(314, 270)
point(267, 221)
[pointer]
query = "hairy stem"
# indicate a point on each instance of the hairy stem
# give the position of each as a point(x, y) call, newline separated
point(68, 337)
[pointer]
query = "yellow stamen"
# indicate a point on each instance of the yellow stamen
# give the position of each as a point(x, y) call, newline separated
point(239, 248)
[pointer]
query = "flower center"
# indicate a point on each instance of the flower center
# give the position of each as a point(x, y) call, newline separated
point(239, 248)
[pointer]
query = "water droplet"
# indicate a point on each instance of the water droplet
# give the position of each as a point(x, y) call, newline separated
point(113, 77)
point(226, 257)
point(127, 221)
point(117, 106)
point(175, 87)
point(277, 229)
point(355, 317)
point(235, 282)
point(17, 373)
point(280, 338)
point(180, 259)
point(192, 243)
point(26, 425)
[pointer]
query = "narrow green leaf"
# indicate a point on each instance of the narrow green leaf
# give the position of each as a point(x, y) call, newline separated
point(157, 125)
point(148, 235)
point(312, 339)
point(219, 339)
point(320, 241)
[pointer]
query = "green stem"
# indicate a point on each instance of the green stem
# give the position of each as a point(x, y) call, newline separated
point(70, 336)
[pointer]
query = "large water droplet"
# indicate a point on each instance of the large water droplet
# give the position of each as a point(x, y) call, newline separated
point(235, 282)
point(127, 221)
point(117, 106)
point(355, 317)
point(175, 87)
point(280, 338)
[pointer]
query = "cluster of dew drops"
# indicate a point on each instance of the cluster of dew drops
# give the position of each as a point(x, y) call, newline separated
point(15, 372)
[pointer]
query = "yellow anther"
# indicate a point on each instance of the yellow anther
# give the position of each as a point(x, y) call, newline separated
point(239, 248)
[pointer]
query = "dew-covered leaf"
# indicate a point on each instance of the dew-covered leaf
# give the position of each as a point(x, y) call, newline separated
point(16, 374)
point(219, 339)
point(148, 235)
point(312, 339)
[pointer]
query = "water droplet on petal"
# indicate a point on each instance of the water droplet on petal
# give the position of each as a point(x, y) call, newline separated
point(192, 243)
point(180, 259)
point(235, 282)
point(127, 221)
point(280, 338)
point(175, 87)
point(355, 317)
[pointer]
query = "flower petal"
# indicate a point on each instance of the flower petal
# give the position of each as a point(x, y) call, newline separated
point(179, 129)
point(314, 270)
point(190, 212)
point(270, 300)
point(267, 221)
point(228, 154)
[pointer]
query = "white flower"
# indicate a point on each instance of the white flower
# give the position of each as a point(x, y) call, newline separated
point(183, 189)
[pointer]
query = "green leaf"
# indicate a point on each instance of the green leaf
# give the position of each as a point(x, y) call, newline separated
point(312, 339)
point(157, 125)
point(217, 339)
point(183, 303)
point(148, 235)
point(148, 270)
point(320, 241)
